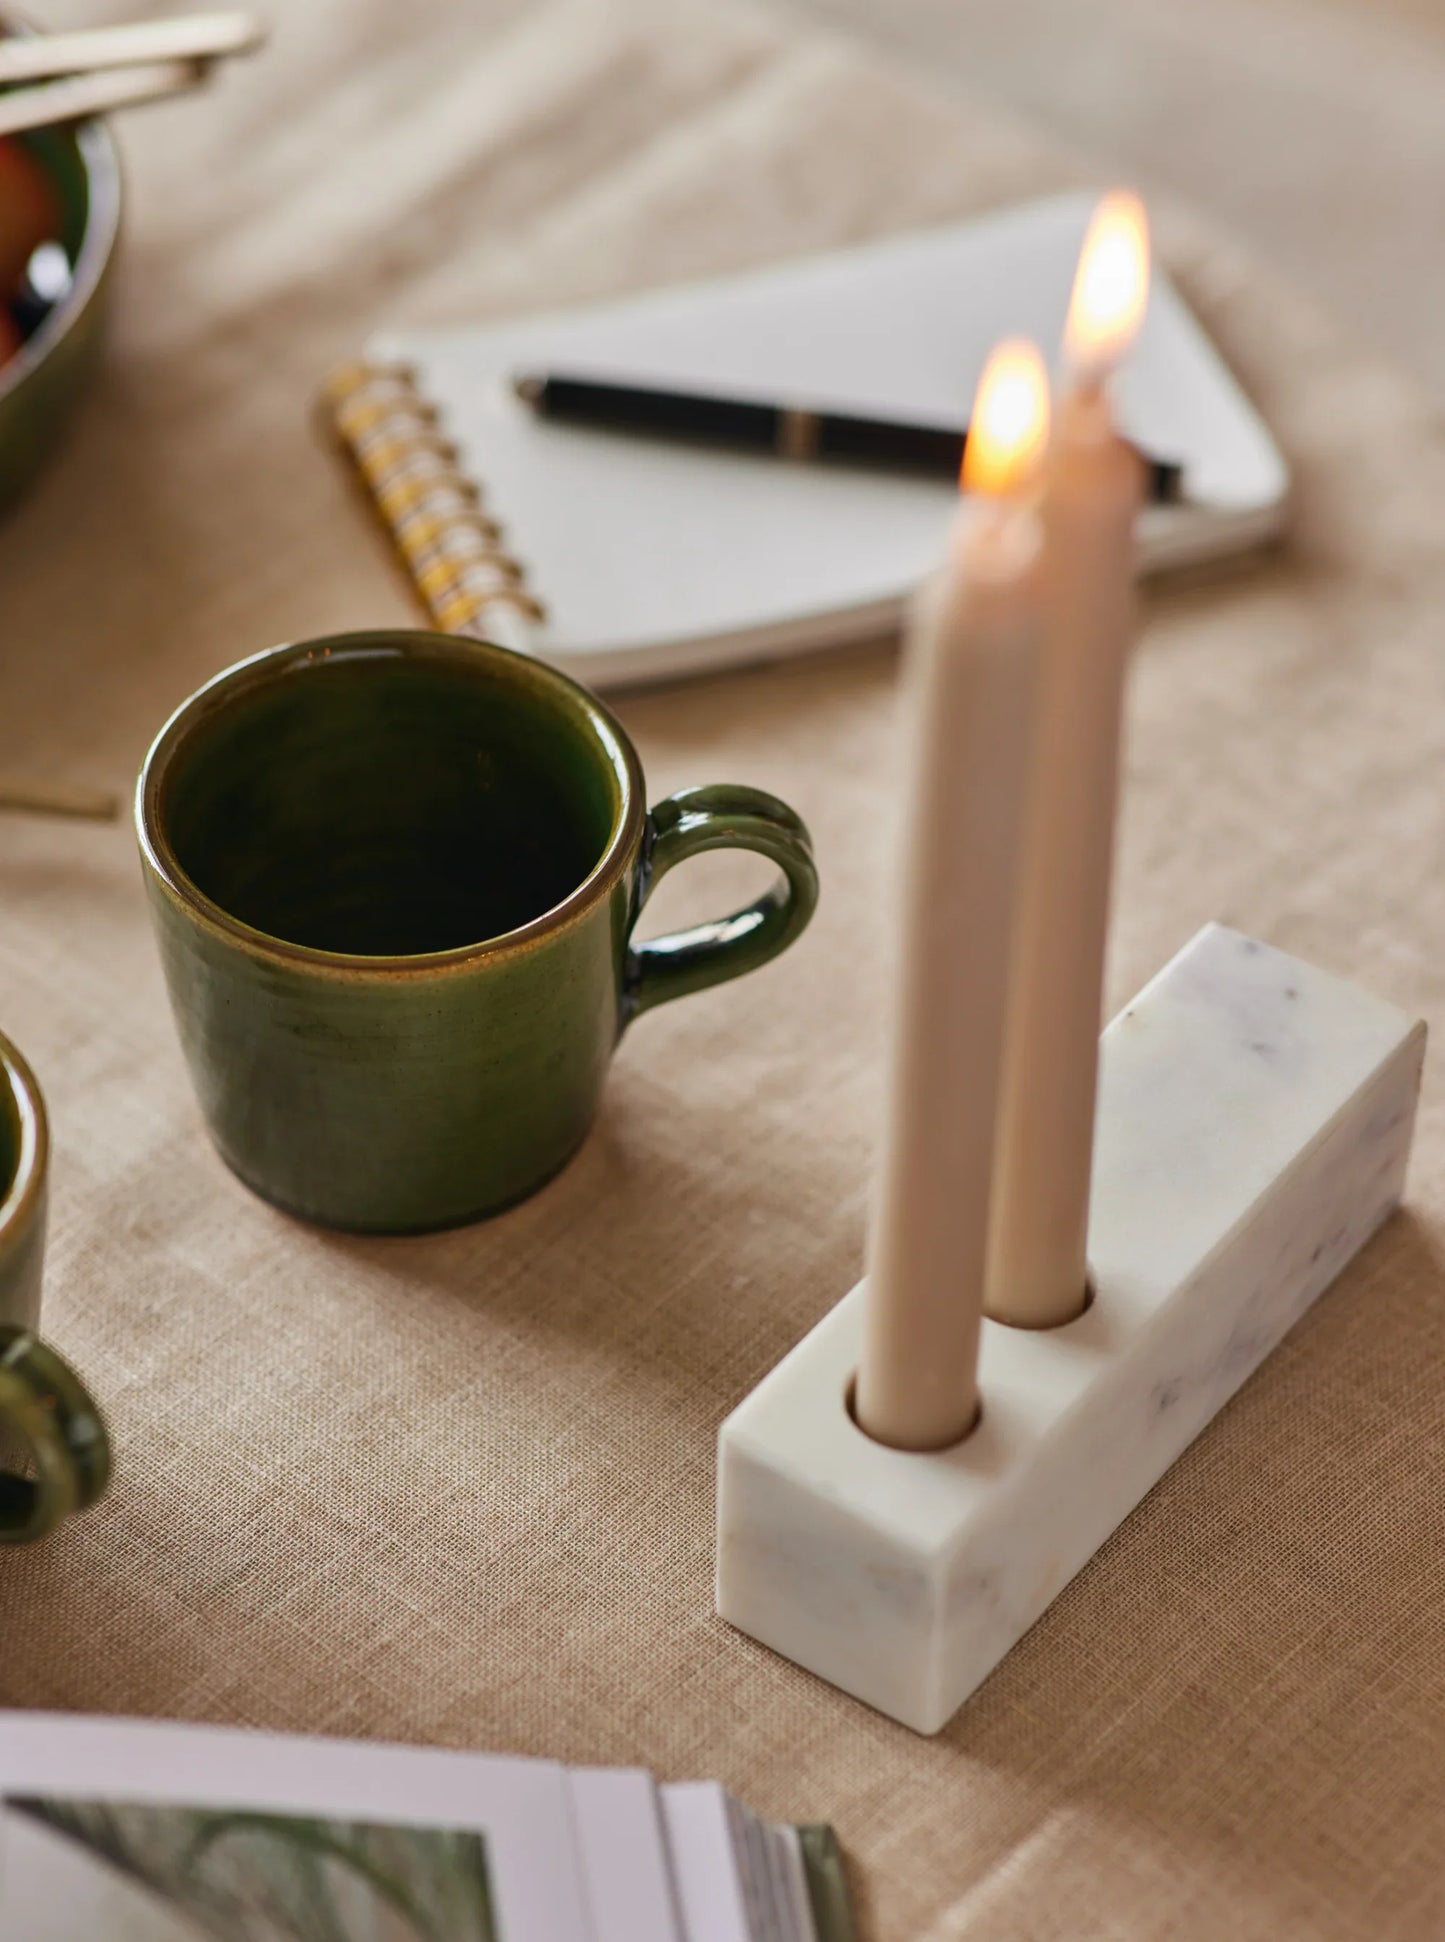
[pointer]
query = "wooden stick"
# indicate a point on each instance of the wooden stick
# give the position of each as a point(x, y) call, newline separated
point(94, 94)
point(193, 37)
point(82, 95)
point(57, 799)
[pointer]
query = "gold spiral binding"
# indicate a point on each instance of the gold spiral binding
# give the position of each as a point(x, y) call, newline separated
point(452, 550)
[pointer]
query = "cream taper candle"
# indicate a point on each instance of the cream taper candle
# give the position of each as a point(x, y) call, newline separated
point(1038, 1270)
point(970, 666)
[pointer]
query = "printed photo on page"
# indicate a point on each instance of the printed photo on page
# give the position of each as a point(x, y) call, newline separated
point(146, 1872)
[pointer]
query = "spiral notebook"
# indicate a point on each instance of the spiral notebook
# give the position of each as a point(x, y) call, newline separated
point(624, 558)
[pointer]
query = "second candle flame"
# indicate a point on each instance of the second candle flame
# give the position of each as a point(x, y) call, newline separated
point(1008, 432)
point(1111, 287)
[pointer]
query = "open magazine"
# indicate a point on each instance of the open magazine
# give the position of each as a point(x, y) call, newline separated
point(138, 1832)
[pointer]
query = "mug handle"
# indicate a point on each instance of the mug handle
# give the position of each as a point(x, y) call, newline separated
point(44, 1402)
point(720, 816)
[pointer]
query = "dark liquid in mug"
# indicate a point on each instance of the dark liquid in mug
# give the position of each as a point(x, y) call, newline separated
point(377, 805)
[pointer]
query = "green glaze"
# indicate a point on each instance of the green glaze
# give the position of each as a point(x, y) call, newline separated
point(394, 878)
point(44, 1408)
point(41, 384)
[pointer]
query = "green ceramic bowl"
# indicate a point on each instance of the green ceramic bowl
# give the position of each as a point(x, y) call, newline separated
point(40, 385)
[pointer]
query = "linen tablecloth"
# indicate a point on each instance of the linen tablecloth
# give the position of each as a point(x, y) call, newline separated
point(459, 1489)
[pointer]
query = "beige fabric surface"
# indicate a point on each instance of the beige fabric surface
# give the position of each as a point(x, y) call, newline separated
point(459, 1489)
point(1311, 127)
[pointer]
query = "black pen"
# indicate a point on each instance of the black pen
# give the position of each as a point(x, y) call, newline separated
point(790, 432)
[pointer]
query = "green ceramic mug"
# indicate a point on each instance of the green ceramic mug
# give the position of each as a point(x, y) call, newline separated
point(394, 878)
point(49, 1427)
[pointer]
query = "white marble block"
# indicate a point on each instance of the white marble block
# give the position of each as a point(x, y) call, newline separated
point(1254, 1122)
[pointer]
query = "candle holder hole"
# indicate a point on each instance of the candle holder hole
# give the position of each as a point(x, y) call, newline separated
point(850, 1403)
point(1045, 1328)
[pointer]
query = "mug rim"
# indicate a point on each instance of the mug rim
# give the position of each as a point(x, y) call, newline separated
point(21, 1196)
point(263, 668)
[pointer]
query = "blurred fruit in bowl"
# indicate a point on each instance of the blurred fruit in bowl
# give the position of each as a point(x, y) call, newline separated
point(59, 221)
point(31, 212)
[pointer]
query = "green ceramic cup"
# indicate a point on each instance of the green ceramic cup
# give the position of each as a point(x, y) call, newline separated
point(49, 1427)
point(394, 878)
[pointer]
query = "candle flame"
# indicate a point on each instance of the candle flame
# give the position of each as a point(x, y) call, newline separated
point(1009, 429)
point(1111, 286)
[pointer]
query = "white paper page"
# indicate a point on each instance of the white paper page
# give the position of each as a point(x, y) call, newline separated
point(777, 1852)
point(775, 1888)
point(522, 1808)
point(709, 1887)
point(623, 1845)
point(739, 1879)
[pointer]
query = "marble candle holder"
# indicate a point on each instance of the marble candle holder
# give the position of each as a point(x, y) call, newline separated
point(1254, 1123)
